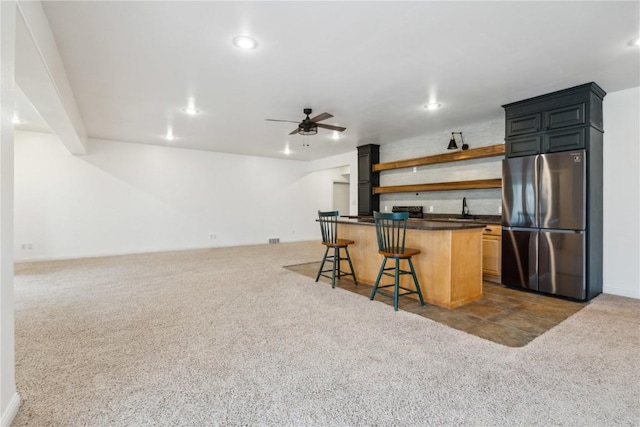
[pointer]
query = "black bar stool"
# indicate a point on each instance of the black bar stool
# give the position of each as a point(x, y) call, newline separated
point(391, 230)
point(329, 228)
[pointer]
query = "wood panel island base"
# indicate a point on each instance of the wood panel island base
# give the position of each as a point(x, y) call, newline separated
point(449, 266)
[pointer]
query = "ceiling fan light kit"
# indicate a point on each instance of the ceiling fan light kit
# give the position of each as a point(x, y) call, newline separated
point(309, 126)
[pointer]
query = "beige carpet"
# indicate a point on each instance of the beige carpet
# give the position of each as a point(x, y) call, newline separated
point(229, 337)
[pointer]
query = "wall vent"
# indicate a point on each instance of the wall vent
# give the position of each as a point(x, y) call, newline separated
point(274, 240)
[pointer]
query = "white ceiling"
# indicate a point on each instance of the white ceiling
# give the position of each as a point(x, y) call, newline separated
point(133, 66)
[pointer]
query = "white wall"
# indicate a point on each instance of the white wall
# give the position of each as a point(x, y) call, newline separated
point(621, 197)
point(347, 164)
point(9, 398)
point(341, 197)
point(128, 198)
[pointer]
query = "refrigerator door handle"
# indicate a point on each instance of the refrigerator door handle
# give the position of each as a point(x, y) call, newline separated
point(536, 191)
point(533, 262)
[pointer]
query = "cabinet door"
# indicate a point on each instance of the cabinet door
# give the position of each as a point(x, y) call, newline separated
point(523, 125)
point(368, 155)
point(491, 250)
point(522, 146)
point(564, 140)
point(367, 201)
point(566, 116)
point(364, 168)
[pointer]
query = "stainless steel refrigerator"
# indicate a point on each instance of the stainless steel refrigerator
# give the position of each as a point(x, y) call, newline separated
point(544, 235)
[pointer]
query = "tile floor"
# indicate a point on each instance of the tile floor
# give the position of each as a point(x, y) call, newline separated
point(503, 315)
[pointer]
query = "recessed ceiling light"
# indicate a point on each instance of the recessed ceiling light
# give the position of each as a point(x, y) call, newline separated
point(432, 106)
point(336, 136)
point(245, 42)
point(634, 42)
point(191, 107)
point(16, 120)
point(191, 111)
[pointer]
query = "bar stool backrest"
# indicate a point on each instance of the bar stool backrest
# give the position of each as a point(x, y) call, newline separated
point(391, 229)
point(329, 226)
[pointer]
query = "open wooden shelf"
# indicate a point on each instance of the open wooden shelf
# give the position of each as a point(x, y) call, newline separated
point(473, 153)
point(477, 184)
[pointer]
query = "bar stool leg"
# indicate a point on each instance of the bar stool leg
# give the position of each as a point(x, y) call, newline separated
point(324, 258)
point(375, 287)
point(415, 281)
point(353, 272)
point(336, 254)
point(396, 287)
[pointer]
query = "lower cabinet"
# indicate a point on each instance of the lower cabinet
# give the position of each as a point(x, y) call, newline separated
point(492, 253)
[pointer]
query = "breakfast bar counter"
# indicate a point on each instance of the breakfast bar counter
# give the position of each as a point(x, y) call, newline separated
point(449, 266)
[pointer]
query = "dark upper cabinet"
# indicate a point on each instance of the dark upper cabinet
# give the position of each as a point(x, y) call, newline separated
point(368, 155)
point(565, 116)
point(558, 121)
point(523, 146)
point(564, 140)
point(523, 125)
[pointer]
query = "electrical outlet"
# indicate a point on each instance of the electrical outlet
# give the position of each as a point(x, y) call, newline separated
point(386, 208)
point(212, 236)
point(430, 208)
point(415, 169)
point(499, 209)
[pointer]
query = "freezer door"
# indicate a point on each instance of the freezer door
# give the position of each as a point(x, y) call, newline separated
point(520, 258)
point(520, 192)
point(563, 190)
point(562, 263)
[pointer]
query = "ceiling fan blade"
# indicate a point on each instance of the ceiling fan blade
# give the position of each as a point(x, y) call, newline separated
point(320, 117)
point(295, 131)
point(274, 120)
point(331, 127)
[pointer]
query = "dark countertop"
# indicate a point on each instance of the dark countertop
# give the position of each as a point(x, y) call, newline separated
point(448, 218)
point(478, 219)
point(418, 224)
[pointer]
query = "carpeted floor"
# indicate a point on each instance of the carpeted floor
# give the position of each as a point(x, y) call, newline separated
point(229, 337)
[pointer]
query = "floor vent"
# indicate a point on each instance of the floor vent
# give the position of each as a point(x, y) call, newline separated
point(274, 240)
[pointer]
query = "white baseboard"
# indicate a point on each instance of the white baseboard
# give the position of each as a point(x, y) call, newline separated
point(621, 292)
point(18, 260)
point(11, 411)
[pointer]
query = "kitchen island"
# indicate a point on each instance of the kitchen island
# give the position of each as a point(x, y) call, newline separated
point(449, 266)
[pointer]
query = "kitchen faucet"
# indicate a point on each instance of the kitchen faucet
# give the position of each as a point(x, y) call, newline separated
point(465, 208)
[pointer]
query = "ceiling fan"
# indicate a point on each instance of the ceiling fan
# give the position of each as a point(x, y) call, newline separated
point(310, 126)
